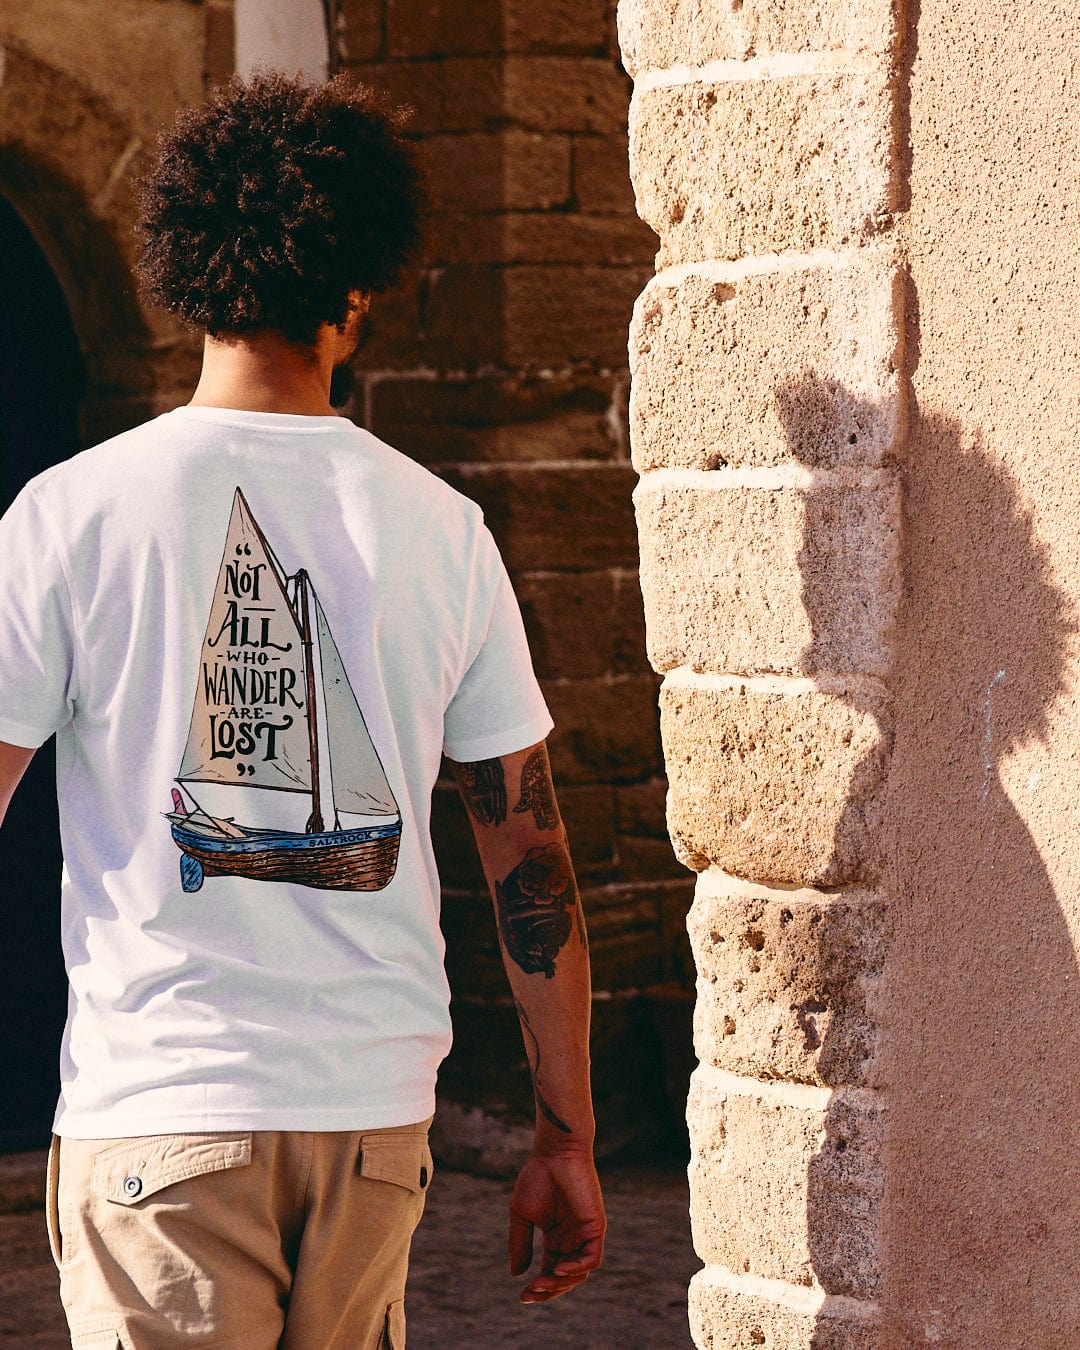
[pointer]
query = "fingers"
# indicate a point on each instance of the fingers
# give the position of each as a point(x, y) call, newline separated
point(546, 1287)
point(521, 1244)
point(585, 1257)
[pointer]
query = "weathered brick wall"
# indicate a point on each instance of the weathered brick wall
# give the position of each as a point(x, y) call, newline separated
point(501, 364)
point(765, 418)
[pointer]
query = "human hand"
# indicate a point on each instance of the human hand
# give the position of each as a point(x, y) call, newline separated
point(559, 1193)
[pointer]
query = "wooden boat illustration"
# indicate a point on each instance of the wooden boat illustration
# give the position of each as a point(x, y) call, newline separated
point(274, 712)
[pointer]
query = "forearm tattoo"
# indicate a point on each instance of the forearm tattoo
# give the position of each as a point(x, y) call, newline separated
point(483, 789)
point(538, 792)
point(536, 904)
point(534, 1070)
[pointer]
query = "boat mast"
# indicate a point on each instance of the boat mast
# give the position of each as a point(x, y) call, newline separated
point(315, 820)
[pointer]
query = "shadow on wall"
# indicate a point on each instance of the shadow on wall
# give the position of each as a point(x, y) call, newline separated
point(975, 1239)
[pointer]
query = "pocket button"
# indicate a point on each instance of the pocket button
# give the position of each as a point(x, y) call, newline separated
point(132, 1187)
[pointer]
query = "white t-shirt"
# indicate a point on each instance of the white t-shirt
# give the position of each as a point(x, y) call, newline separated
point(218, 613)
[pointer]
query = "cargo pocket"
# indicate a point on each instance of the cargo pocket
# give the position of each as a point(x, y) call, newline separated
point(135, 1169)
point(393, 1337)
point(401, 1159)
point(96, 1340)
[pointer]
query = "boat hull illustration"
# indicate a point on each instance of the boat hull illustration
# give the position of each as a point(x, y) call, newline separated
point(338, 860)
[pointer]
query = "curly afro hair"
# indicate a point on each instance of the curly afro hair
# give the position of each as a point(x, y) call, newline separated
point(273, 200)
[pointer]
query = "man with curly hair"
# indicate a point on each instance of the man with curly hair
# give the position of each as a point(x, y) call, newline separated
point(254, 608)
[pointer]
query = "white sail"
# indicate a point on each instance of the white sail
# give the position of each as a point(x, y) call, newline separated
point(359, 783)
point(249, 725)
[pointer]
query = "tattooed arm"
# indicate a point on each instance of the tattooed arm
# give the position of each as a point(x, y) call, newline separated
point(542, 936)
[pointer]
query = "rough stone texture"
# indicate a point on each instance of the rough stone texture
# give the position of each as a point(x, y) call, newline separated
point(513, 169)
point(748, 167)
point(776, 787)
point(540, 237)
point(500, 417)
point(605, 731)
point(440, 28)
point(747, 580)
point(558, 316)
point(573, 624)
point(162, 46)
point(601, 176)
point(789, 985)
point(723, 1318)
point(529, 317)
point(526, 511)
point(984, 1184)
point(776, 368)
point(657, 34)
point(787, 1191)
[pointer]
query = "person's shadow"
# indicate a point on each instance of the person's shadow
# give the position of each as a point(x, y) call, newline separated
point(975, 1238)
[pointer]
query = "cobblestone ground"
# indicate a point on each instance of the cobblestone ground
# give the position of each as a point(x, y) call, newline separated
point(460, 1294)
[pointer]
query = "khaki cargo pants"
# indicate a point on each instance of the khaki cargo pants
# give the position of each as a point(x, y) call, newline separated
point(264, 1240)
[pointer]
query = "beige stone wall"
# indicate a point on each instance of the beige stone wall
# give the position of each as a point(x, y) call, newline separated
point(984, 1011)
point(767, 420)
point(854, 417)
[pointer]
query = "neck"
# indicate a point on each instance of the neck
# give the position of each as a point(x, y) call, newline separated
point(261, 372)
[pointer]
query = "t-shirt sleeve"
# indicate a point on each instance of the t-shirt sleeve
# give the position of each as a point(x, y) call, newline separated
point(498, 707)
point(37, 647)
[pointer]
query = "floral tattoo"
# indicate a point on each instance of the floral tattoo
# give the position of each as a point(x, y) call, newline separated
point(536, 904)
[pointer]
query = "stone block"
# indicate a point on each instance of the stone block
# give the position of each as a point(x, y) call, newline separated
point(463, 318)
point(563, 237)
point(758, 166)
point(641, 809)
point(513, 170)
point(658, 34)
point(473, 92)
point(602, 176)
point(440, 27)
point(556, 519)
point(605, 730)
point(725, 1315)
point(416, 85)
point(361, 31)
point(563, 26)
point(786, 1183)
point(786, 366)
point(628, 619)
point(560, 316)
point(392, 337)
point(491, 418)
point(582, 625)
point(678, 960)
point(788, 983)
point(566, 93)
point(745, 580)
point(588, 813)
point(624, 936)
point(646, 860)
point(776, 786)
point(568, 620)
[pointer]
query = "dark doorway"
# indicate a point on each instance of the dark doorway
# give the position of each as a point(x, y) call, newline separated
point(41, 384)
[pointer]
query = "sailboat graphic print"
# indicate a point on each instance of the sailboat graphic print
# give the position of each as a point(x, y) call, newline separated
point(274, 712)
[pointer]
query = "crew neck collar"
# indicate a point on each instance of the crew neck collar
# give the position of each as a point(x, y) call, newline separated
point(273, 421)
